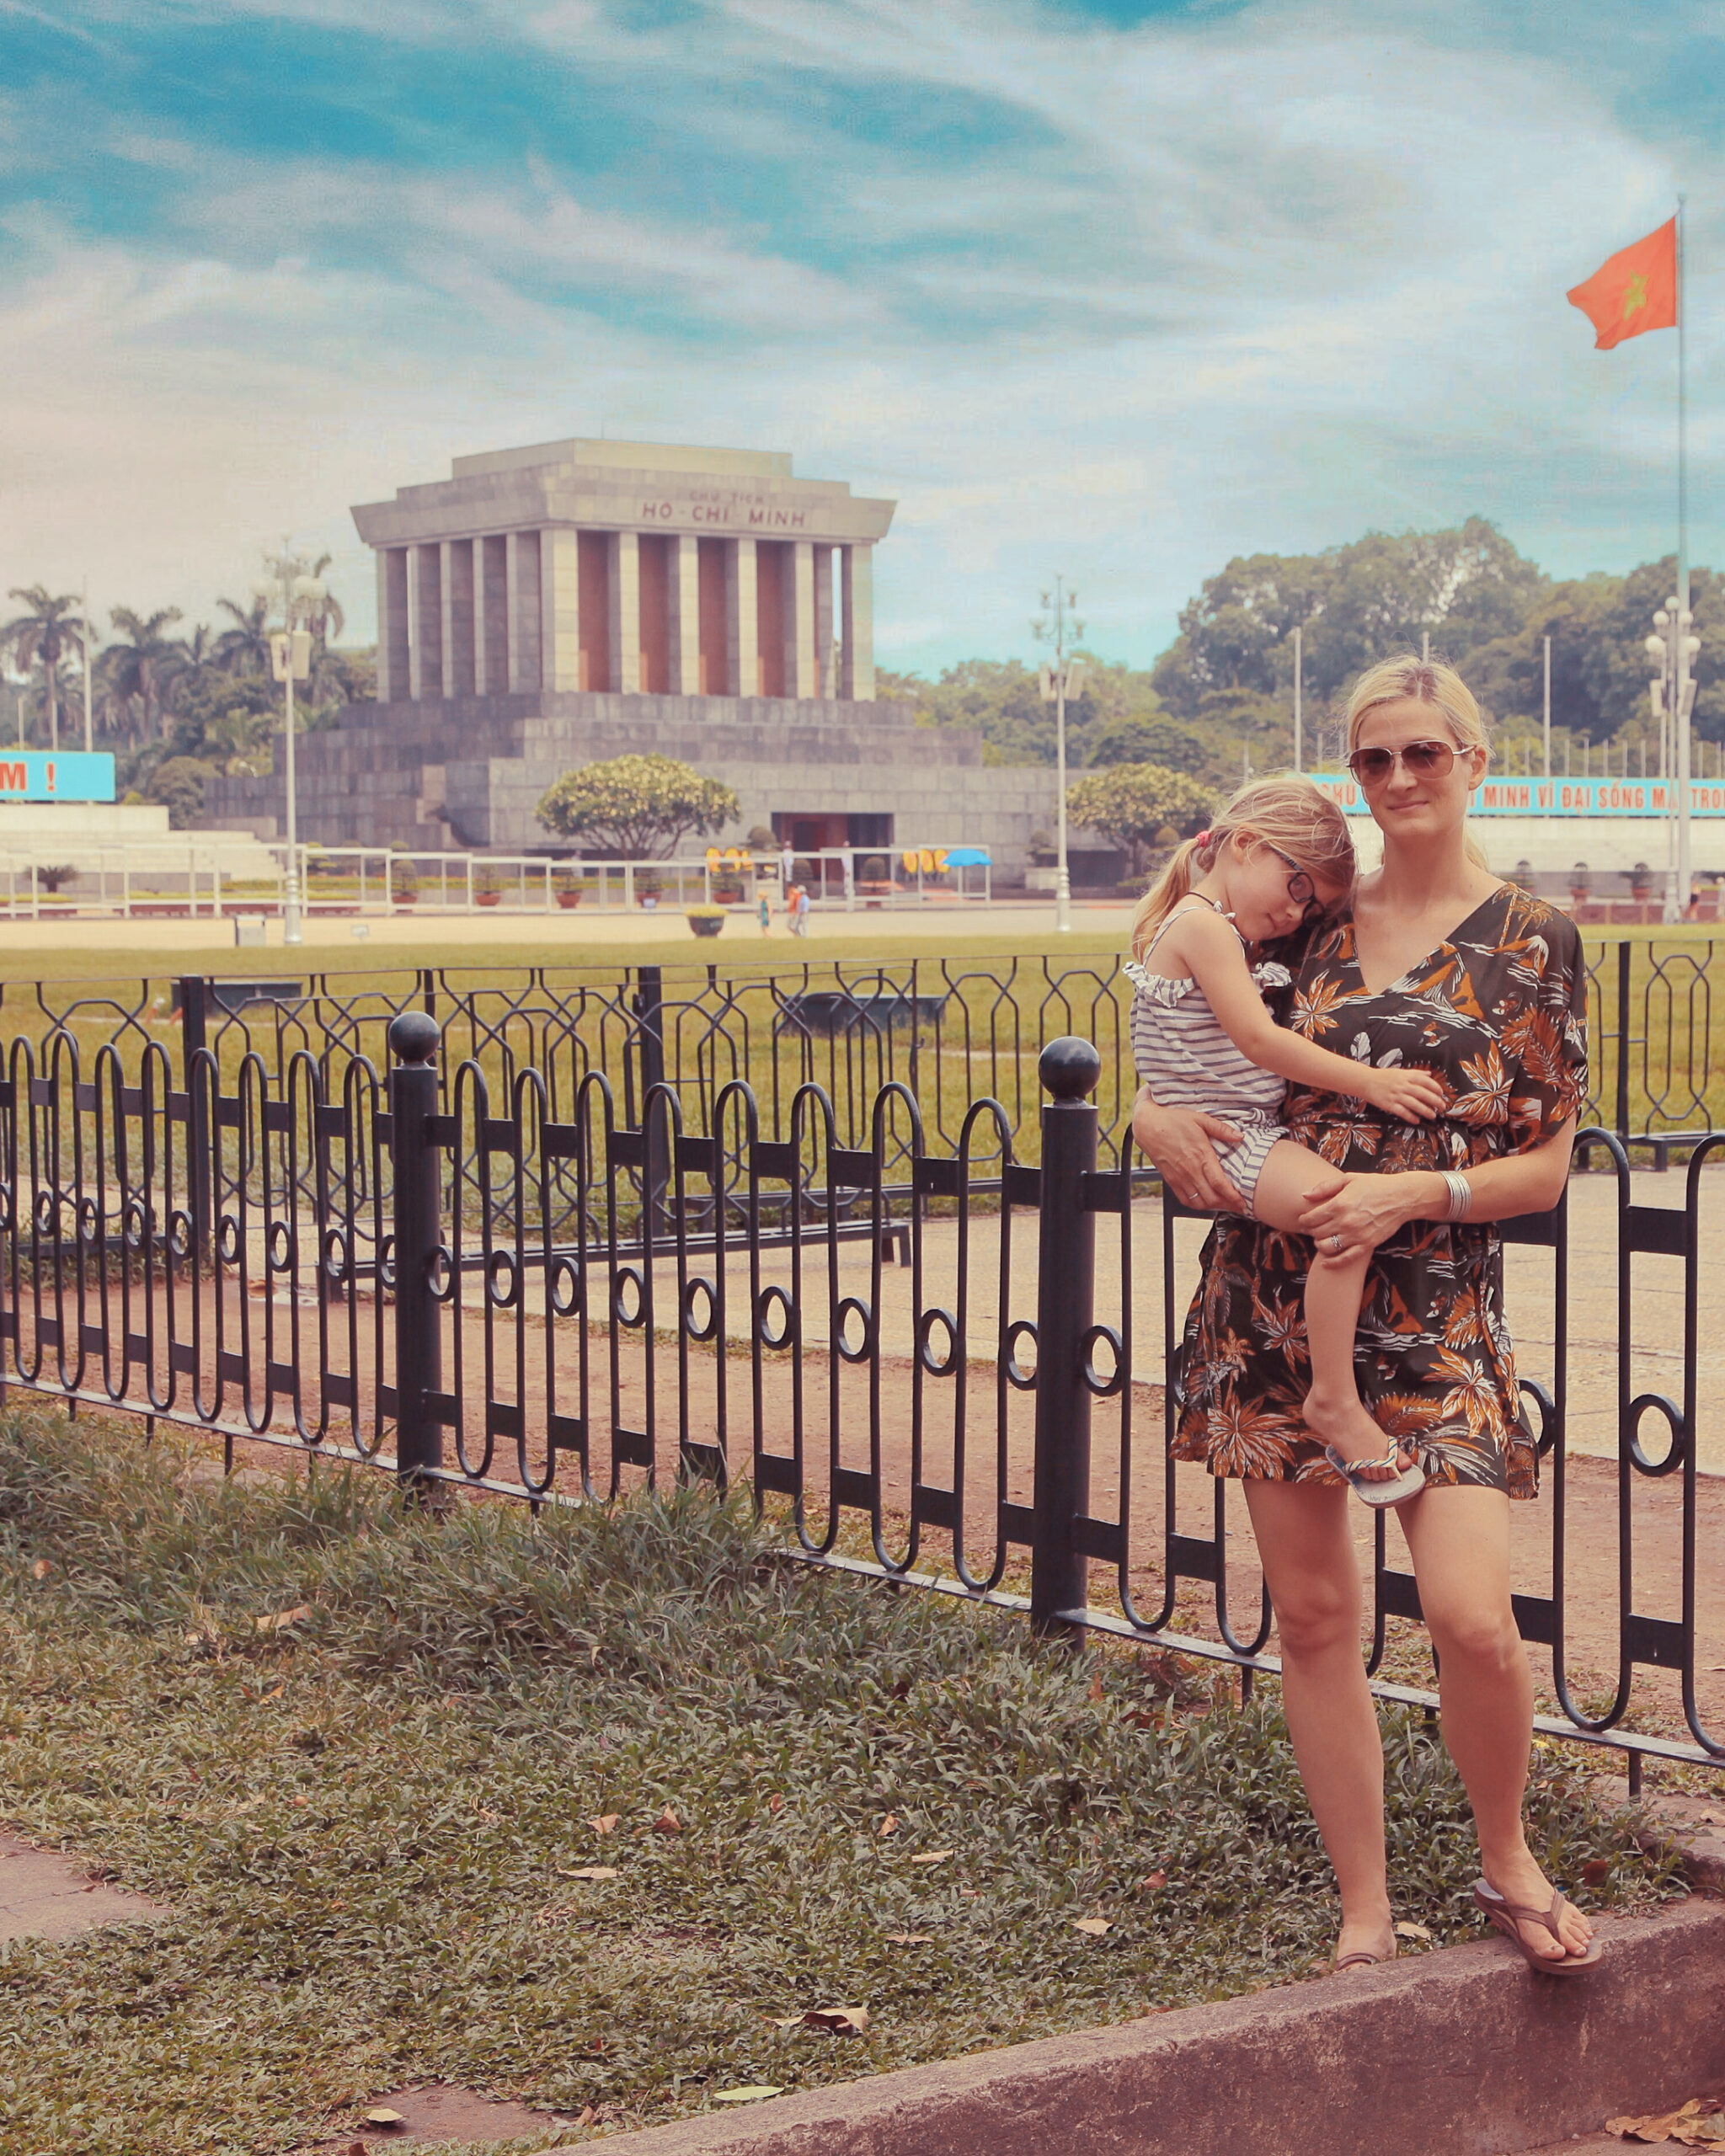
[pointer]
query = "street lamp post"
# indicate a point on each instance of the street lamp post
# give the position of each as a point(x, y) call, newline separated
point(1061, 680)
point(301, 597)
point(1673, 646)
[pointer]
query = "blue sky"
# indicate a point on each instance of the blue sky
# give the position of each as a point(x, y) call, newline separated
point(1118, 289)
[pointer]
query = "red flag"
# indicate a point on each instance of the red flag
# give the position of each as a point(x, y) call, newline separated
point(1635, 291)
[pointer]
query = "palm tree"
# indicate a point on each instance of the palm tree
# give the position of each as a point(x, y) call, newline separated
point(141, 666)
point(245, 647)
point(49, 633)
point(196, 661)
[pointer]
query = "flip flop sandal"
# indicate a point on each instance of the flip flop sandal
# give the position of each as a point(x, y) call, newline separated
point(1377, 1495)
point(1360, 1959)
point(1509, 1916)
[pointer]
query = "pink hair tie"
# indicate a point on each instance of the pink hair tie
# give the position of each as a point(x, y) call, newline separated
point(1202, 839)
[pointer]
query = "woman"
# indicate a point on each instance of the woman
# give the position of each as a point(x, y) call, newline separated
point(1442, 965)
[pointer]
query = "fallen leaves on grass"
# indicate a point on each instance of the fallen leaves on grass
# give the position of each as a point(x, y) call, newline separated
point(1596, 1870)
point(605, 1824)
point(282, 1619)
point(41, 1570)
point(842, 2020)
point(382, 2115)
point(590, 1871)
point(1698, 2124)
point(752, 2095)
point(667, 1823)
point(1095, 1926)
point(1406, 1930)
point(1156, 1880)
point(889, 1825)
point(909, 1939)
point(932, 1856)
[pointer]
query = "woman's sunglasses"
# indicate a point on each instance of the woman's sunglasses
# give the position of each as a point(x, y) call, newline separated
point(1418, 759)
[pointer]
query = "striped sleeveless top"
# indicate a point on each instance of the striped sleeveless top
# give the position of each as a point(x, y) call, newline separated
point(1182, 1051)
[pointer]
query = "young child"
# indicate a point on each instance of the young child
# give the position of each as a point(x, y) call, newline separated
point(1277, 856)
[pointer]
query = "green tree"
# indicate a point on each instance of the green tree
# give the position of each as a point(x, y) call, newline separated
point(226, 720)
point(47, 635)
point(1355, 604)
point(637, 806)
point(244, 649)
point(178, 783)
point(1138, 738)
point(1130, 803)
point(138, 668)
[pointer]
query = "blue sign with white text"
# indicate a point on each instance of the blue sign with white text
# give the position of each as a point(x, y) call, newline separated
point(49, 774)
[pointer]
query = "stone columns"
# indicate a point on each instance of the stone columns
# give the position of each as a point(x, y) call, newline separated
point(684, 608)
point(560, 608)
point(522, 609)
point(425, 621)
point(857, 672)
point(490, 617)
point(741, 638)
point(825, 684)
point(799, 622)
point(455, 569)
point(624, 602)
point(392, 624)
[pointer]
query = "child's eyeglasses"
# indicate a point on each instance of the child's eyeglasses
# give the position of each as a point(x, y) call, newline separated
point(1301, 888)
point(1418, 759)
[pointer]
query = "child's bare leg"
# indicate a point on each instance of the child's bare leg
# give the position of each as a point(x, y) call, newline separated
point(1334, 1289)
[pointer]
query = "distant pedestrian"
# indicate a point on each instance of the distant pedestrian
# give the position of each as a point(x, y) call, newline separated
point(786, 867)
point(804, 900)
point(763, 910)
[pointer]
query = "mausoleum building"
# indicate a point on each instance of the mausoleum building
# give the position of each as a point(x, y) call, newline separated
point(555, 606)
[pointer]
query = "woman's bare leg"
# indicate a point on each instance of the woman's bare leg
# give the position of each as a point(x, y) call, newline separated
point(1459, 1539)
point(1313, 1576)
point(1335, 1287)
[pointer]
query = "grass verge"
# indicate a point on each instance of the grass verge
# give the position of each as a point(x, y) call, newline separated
point(364, 1818)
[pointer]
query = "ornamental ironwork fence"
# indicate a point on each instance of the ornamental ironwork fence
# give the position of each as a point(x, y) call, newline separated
point(949, 1031)
point(937, 1361)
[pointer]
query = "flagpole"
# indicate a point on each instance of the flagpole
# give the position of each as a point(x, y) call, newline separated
point(1683, 623)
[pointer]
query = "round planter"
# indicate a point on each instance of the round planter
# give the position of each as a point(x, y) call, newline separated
point(568, 900)
point(707, 924)
point(407, 898)
point(488, 897)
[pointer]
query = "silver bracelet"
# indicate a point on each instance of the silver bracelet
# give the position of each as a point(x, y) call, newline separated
point(1461, 1194)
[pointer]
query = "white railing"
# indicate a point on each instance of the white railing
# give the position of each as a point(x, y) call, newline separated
point(206, 877)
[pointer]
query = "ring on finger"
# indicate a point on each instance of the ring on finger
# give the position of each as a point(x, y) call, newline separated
point(1336, 1245)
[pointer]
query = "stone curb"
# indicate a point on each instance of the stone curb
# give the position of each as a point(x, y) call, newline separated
point(1464, 2052)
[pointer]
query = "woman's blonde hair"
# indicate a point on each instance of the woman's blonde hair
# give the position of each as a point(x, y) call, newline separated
point(1286, 810)
point(1423, 681)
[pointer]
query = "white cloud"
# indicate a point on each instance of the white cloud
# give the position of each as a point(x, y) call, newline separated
point(1238, 285)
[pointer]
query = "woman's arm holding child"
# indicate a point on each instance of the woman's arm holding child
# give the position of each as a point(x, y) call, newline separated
point(1208, 945)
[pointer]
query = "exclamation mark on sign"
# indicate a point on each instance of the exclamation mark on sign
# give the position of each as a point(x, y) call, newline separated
point(50, 778)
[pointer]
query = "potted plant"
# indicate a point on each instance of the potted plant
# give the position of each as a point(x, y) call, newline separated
point(706, 921)
point(566, 888)
point(488, 887)
point(1581, 883)
point(649, 884)
point(1640, 882)
point(404, 883)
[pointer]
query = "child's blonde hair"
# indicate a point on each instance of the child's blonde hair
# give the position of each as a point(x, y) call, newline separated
point(1286, 810)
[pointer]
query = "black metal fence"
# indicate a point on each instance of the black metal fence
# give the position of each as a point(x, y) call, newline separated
point(949, 1031)
point(537, 1286)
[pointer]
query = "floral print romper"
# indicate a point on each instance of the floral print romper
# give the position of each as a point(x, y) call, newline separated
point(1499, 1011)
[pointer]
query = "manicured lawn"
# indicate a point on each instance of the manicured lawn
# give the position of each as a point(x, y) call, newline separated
point(366, 1820)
